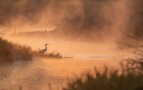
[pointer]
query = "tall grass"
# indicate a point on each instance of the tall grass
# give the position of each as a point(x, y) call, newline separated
point(128, 78)
point(10, 52)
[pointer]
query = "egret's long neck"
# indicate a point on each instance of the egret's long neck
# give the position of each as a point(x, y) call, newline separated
point(45, 46)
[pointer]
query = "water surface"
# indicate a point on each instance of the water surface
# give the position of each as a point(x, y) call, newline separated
point(44, 73)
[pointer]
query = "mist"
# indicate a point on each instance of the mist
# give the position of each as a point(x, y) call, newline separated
point(88, 32)
point(94, 20)
point(107, 23)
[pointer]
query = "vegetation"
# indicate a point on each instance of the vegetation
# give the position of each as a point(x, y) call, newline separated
point(49, 55)
point(10, 52)
point(129, 77)
point(108, 80)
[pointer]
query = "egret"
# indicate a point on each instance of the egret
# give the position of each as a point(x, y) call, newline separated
point(43, 50)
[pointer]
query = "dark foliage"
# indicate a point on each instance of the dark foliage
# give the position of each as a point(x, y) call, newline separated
point(10, 52)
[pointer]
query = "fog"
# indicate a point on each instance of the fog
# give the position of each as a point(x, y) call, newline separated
point(100, 21)
point(90, 31)
point(94, 20)
point(70, 48)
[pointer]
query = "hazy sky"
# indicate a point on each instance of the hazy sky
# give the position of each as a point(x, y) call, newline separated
point(94, 18)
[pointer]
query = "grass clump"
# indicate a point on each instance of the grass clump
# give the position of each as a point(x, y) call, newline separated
point(10, 52)
point(53, 55)
point(127, 78)
point(49, 55)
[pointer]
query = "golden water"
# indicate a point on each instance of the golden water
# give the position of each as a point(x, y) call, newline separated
point(44, 73)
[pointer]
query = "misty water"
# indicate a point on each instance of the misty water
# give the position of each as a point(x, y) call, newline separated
point(41, 73)
point(45, 73)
